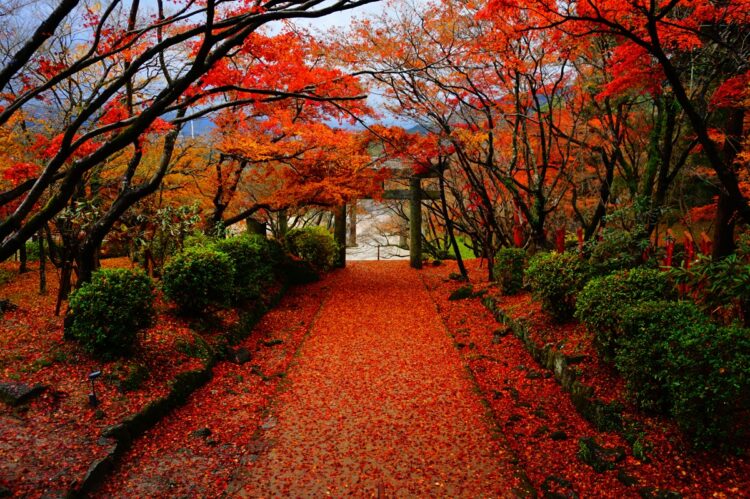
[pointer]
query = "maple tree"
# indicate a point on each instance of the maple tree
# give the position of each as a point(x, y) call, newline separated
point(132, 72)
point(691, 52)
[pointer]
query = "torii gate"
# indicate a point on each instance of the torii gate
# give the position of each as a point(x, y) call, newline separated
point(414, 194)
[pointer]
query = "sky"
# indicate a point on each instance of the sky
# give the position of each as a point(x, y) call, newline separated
point(341, 20)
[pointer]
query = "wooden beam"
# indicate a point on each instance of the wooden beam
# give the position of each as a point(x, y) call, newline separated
point(415, 223)
point(405, 195)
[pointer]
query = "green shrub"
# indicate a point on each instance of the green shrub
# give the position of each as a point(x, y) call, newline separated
point(252, 263)
point(32, 250)
point(709, 381)
point(297, 271)
point(674, 359)
point(601, 302)
point(314, 245)
point(723, 286)
point(618, 250)
point(105, 314)
point(555, 280)
point(642, 348)
point(136, 376)
point(199, 277)
point(508, 269)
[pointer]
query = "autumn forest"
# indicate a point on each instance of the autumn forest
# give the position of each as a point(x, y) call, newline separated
point(377, 248)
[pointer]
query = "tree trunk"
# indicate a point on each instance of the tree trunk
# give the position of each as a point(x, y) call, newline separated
point(415, 223)
point(449, 228)
point(726, 209)
point(23, 259)
point(42, 265)
point(339, 233)
point(353, 223)
point(255, 227)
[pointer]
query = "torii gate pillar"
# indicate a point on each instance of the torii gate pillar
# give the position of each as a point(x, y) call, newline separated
point(339, 234)
point(415, 222)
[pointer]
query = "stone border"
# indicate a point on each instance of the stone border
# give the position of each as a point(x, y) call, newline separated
point(122, 435)
point(603, 415)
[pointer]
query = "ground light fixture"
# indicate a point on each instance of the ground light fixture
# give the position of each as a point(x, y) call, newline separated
point(93, 401)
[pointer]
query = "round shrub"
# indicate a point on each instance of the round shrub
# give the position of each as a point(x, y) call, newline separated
point(508, 269)
point(618, 250)
point(252, 263)
point(555, 280)
point(709, 382)
point(675, 359)
point(106, 313)
point(298, 271)
point(601, 302)
point(642, 348)
point(199, 277)
point(314, 245)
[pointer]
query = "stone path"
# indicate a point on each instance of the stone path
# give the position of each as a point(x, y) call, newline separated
point(378, 403)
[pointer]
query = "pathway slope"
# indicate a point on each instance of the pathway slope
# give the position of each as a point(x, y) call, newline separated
point(377, 404)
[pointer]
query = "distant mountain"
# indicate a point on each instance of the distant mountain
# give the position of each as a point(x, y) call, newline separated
point(418, 129)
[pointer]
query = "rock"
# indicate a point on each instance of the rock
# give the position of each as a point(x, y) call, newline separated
point(14, 393)
point(558, 435)
point(626, 479)
point(574, 359)
point(269, 423)
point(533, 375)
point(272, 343)
point(555, 487)
point(515, 418)
point(654, 493)
point(202, 433)
point(598, 457)
point(462, 293)
point(542, 430)
point(241, 355)
point(499, 334)
point(7, 306)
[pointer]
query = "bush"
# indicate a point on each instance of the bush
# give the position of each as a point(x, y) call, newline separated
point(601, 302)
point(722, 287)
point(508, 270)
point(314, 245)
point(673, 358)
point(297, 271)
point(105, 314)
point(252, 263)
point(555, 280)
point(618, 250)
point(199, 277)
point(642, 347)
point(709, 381)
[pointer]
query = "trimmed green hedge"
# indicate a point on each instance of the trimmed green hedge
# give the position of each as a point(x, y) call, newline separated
point(508, 270)
point(253, 265)
point(106, 313)
point(601, 302)
point(675, 360)
point(555, 280)
point(315, 245)
point(198, 278)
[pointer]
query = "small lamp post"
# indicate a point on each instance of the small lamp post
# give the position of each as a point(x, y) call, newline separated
point(93, 401)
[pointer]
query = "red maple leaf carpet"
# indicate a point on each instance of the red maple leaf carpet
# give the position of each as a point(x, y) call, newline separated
point(375, 402)
point(378, 403)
